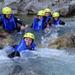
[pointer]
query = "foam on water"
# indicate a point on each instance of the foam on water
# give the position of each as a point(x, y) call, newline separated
point(43, 61)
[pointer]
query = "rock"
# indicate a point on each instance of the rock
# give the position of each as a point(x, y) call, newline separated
point(62, 6)
point(12, 3)
point(65, 41)
point(64, 11)
point(5, 39)
point(14, 7)
point(72, 7)
point(8, 2)
point(65, 7)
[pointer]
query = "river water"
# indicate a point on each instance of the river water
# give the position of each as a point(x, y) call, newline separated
point(43, 61)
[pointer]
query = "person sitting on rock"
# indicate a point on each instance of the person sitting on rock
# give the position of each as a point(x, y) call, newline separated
point(9, 22)
point(27, 43)
point(38, 22)
point(56, 19)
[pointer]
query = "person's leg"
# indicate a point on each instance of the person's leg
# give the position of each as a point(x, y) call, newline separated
point(14, 54)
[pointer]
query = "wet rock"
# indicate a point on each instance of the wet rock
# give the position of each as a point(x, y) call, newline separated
point(65, 41)
point(5, 39)
point(72, 7)
point(11, 3)
point(64, 11)
point(25, 6)
point(65, 7)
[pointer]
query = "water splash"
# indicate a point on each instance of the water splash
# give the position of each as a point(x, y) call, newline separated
point(43, 61)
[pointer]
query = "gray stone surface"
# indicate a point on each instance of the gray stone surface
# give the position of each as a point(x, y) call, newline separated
point(24, 6)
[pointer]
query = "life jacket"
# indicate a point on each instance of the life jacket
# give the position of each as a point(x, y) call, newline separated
point(8, 24)
point(22, 46)
point(38, 24)
point(48, 19)
point(56, 22)
point(35, 24)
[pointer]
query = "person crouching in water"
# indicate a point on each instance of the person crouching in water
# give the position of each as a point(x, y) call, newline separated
point(48, 19)
point(9, 22)
point(38, 22)
point(27, 43)
point(56, 19)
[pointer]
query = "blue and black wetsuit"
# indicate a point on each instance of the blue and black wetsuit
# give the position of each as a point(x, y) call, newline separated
point(38, 24)
point(58, 22)
point(10, 24)
point(47, 21)
point(21, 47)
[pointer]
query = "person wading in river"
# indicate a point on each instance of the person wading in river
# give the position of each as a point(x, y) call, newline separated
point(27, 43)
point(56, 19)
point(9, 22)
point(38, 22)
point(47, 19)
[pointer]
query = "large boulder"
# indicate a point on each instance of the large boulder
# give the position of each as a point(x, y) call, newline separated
point(11, 3)
point(65, 41)
point(65, 7)
point(72, 7)
point(5, 39)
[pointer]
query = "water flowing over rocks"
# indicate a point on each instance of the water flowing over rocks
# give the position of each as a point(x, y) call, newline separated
point(65, 41)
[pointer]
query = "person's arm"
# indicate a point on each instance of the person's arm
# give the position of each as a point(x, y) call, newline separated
point(31, 25)
point(19, 47)
point(18, 21)
point(20, 24)
point(62, 22)
point(14, 54)
point(33, 46)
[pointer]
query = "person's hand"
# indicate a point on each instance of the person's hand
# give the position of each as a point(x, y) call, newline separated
point(47, 26)
point(22, 27)
point(26, 26)
point(46, 30)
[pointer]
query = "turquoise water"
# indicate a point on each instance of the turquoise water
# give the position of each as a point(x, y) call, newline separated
point(26, 19)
